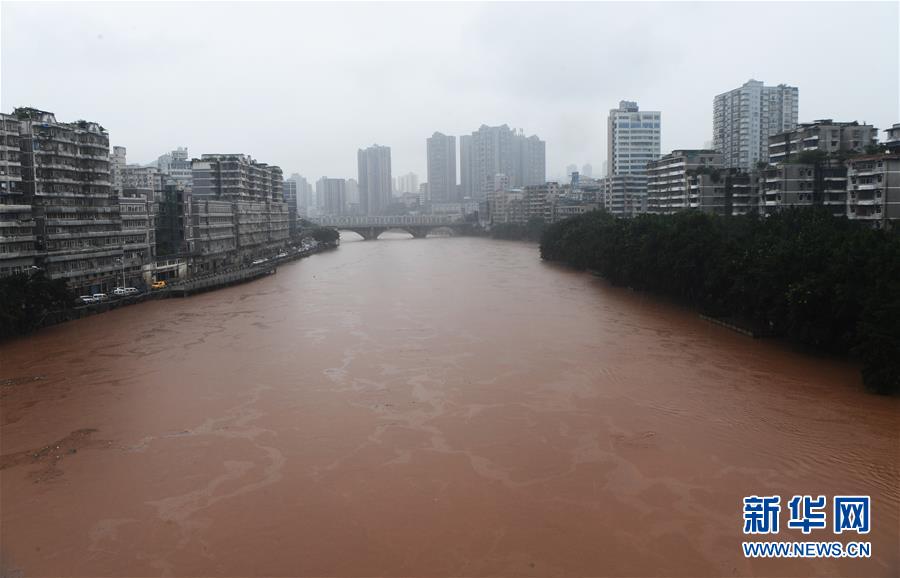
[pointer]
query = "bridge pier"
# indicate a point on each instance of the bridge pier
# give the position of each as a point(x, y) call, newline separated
point(418, 232)
point(369, 233)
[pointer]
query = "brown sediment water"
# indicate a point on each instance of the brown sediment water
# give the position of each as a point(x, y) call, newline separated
point(427, 407)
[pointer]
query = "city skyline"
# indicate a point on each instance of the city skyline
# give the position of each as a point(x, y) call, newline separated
point(561, 91)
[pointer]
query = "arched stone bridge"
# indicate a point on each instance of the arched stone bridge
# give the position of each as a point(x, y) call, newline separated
point(416, 225)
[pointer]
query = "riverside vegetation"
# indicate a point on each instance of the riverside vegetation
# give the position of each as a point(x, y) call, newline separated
point(821, 281)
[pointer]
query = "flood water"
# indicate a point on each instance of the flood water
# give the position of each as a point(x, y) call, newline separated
point(433, 407)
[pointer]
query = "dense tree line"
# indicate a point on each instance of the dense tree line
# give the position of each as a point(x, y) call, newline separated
point(26, 298)
point(827, 282)
point(530, 231)
point(326, 235)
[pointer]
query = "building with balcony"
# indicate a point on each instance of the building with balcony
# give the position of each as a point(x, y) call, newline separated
point(214, 234)
point(174, 222)
point(256, 192)
point(745, 118)
point(117, 163)
point(826, 136)
point(624, 195)
point(17, 226)
point(800, 184)
point(873, 189)
point(144, 178)
point(65, 179)
point(668, 186)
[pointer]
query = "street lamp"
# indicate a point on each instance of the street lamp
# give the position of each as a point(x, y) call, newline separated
point(122, 261)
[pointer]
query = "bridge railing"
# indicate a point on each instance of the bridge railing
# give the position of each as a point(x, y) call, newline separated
point(388, 221)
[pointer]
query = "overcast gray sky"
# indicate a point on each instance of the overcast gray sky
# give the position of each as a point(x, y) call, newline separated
point(303, 85)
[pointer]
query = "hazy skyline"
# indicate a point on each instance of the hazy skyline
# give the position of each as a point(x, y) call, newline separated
point(304, 86)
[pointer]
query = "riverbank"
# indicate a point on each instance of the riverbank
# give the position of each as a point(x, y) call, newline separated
point(820, 281)
point(210, 282)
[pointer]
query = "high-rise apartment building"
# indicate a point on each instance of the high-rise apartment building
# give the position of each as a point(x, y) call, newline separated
point(17, 227)
point(117, 165)
point(78, 226)
point(408, 183)
point(633, 139)
point(499, 150)
point(332, 194)
point(441, 156)
point(255, 191)
point(668, 186)
point(466, 168)
point(375, 183)
point(745, 118)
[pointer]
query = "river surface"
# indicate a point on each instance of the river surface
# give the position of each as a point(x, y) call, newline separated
point(432, 407)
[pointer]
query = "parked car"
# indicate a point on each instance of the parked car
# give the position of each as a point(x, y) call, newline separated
point(120, 291)
point(87, 299)
point(100, 297)
point(259, 262)
point(158, 285)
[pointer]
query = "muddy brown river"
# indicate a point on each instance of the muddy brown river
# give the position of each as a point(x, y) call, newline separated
point(425, 407)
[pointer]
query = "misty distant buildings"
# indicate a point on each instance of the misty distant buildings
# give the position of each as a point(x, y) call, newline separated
point(332, 195)
point(633, 139)
point(441, 160)
point(374, 176)
point(745, 118)
point(304, 194)
point(499, 150)
point(408, 183)
point(175, 166)
point(117, 162)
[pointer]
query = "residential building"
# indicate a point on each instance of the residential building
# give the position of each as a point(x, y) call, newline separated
point(501, 150)
point(466, 167)
point(441, 160)
point(214, 234)
point(892, 139)
point(587, 170)
point(117, 164)
point(176, 166)
point(723, 191)
point(333, 194)
point(174, 223)
point(375, 183)
point(873, 187)
point(408, 183)
point(351, 187)
point(304, 194)
point(826, 136)
point(507, 206)
point(289, 189)
point(255, 190)
point(793, 184)
point(745, 118)
point(17, 227)
point(138, 232)
point(668, 187)
point(138, 177)
point(625, 195)
point(633, 139)
point(65, 179)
